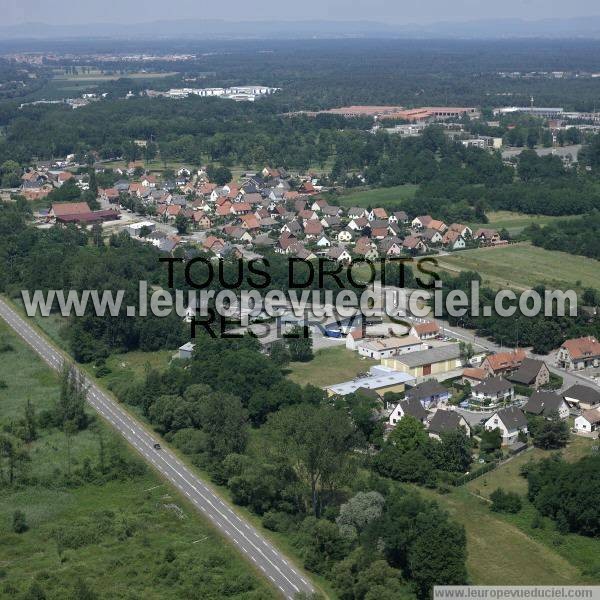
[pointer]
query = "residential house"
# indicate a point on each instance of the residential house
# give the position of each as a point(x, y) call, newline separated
point(488, 237)
point(463, 230)
point(421, 222)
point(533, 373)
point(430, 394)
point(474, 375)
point(366, 248)
point(425, 331)
point(454, 240)
point(431, 236)
point(503, 362)
point(493, 391)
point(186, 351)
point(202, 220)
point(358, 224)
point(313, 229)
point(582, 396)
point(356, 212)
point(377, 213)
point(546, 404)
point(444, 421)
point(323, 242)
point(339, 254)
point(353, 338)
point(390, 247)
point(331, 222)
point(579, 353)
point(510, 421)
point(344, 236)
point(414, 244)
point(588, 421)
point(410, 407)
point(398, 217)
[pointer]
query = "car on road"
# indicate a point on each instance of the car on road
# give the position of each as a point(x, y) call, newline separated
point(157, 446)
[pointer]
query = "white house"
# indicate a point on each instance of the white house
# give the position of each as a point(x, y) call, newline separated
point(588, 421)
point(412, 408)
point(344, 236)
point(323, 242)
point(185, 351)
point(510, 421)
point(547, 404)
point(494, 390)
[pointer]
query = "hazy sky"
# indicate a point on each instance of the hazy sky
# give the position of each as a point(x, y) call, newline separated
point(67, 12)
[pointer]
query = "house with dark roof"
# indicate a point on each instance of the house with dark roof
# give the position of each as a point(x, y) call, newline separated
point(582, 396)
point(444, 421)
point(429, 393)
point(546, 404)
point(533, 373)
point(588, 421)
point(510, 421)
point(411, 407)
point(493, 391)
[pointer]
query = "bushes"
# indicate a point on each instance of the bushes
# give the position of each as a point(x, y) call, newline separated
point(507, 502)
point(475, 474)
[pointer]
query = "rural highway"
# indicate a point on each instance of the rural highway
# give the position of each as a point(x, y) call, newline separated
point(286, 578)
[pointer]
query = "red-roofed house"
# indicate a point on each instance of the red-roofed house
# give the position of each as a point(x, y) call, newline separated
point(579, 353)
point(425, 331)
point(503, 362)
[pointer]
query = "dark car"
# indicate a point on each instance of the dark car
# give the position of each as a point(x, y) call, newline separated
point(157, 446)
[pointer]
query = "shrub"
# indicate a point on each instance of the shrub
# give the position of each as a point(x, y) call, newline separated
point(507, 502)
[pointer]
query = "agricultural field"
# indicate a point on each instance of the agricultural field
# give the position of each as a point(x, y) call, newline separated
point(388, 197)
point(329, 366)
point(126, 537)
point(514, 222)
point(521, 266)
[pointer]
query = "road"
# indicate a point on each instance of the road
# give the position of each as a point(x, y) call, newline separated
point(248, 540)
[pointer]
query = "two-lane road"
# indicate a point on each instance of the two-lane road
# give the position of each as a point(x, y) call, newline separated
point(286, 578)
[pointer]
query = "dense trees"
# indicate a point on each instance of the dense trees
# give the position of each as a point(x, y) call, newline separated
point(562, 491)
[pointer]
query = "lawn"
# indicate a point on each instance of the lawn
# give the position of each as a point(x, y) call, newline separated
point(515, 222)
point(390, 197)
point(118, 532)
point(521, 266)
point(499, 552)
point(329, 366)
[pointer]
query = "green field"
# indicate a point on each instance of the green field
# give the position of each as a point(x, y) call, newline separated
point(131, 537)
point(521, 266)
point(514, 222)
point(391, 197)
point(94, 75)
point(499, 552)
point(329, 366)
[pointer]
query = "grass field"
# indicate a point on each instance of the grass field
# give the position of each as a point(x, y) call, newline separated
point(391, 197)
point(499, 552)
point(329, 366)
point(96, 75)
point(521, 266)
point(514, 222)
point(118, 533)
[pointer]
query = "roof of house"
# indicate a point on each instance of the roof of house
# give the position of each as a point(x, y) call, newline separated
point(584, 393)
point(506, 360)
point(444, 420)
point(591, 416)
point(583, 347)
point(413, 408)
point(528, 371)
point(475, 373)
point(426, 327)
point(543, 403)
point(432, 355)
point(426, 390)
point(493, 385)
point(512, 417)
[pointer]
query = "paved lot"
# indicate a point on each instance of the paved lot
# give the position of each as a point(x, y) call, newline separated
point(286, 578)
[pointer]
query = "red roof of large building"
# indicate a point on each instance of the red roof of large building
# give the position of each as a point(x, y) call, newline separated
point(583, 347)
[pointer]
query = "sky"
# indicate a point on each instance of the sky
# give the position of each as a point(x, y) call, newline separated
point(67, 12)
